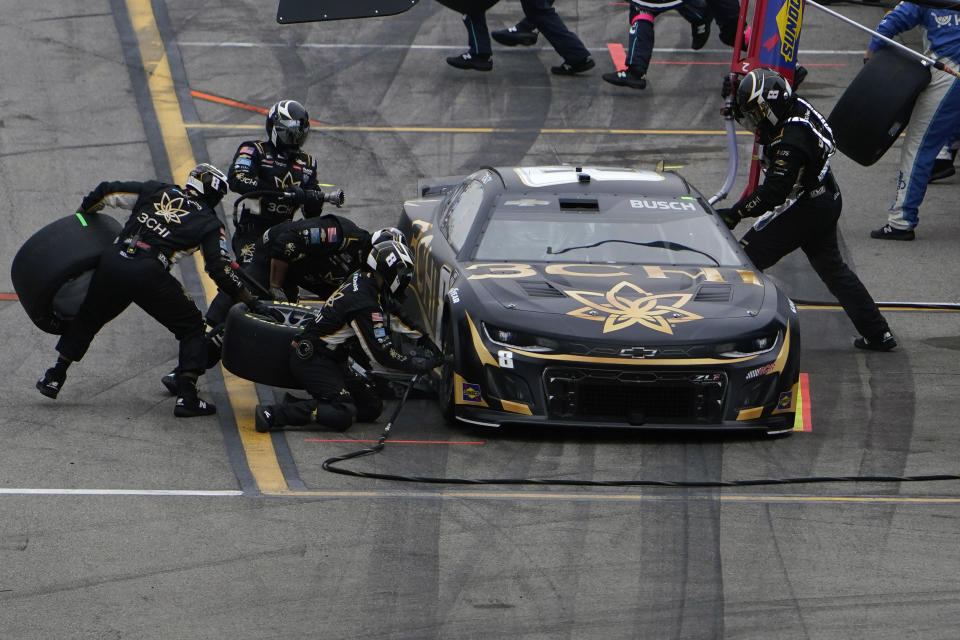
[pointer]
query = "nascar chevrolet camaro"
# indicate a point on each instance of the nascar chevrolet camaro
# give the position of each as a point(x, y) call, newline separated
point(592, 296)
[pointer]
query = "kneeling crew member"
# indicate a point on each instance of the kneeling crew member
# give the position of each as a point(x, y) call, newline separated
point(166, 223)
point(314, 253)
point(799, 201)
point(355, 312)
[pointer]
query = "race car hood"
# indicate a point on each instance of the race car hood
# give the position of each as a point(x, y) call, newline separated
point(593, 291)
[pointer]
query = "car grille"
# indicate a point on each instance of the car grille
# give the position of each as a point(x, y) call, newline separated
point(636, 398)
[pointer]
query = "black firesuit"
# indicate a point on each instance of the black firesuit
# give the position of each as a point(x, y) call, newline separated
point(799, 203)
point(352, 316)
point(315, 253)
point(167, 223)
point(259, 166)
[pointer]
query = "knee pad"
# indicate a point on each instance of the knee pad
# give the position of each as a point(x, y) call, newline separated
point(338, 416)
point(369, 411)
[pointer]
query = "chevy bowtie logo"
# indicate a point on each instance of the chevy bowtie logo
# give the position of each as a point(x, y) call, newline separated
point(639, 352)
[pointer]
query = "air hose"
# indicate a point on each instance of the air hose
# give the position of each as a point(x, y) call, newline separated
point(329, 465)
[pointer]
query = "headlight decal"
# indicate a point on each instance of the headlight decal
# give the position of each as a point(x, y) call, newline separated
point(784, 354)
point(482, 353)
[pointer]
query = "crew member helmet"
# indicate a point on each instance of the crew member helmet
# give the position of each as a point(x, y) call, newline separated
point(288, 124)
point(388, 233)
point(763, 100)
point(392, 261)
point(209, 182)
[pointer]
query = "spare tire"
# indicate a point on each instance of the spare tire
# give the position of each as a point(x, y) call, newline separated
point(876, 107)
point(51, 272)
point(257, 347)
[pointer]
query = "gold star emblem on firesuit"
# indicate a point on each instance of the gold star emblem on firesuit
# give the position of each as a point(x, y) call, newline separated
point(627, 304)
point(170, 208)
point(286, 182)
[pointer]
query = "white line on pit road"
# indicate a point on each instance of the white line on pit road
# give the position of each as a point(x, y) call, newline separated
point(440, 47)
point(119, 492)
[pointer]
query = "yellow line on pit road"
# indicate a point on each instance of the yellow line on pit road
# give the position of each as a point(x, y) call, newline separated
point(260, 454)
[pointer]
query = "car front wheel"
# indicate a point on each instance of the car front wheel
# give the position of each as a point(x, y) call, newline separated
point(445, 389)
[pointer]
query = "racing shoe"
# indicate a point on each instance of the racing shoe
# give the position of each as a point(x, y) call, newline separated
point(700, 33)
point(884, 342)
point(626, 78)
point(51, 383)
point(466, 60)
point(192, 407)
point(264, 420)
point(188, 404)
point(573, 68)
point(942, 169)
point(512, 37)
point(886, 232)
point(170, 382)
point(943, 164)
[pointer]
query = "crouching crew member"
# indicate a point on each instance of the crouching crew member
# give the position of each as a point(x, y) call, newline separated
point(318, 356)
point(315, 253)
point(166, 223)
point(799, 201)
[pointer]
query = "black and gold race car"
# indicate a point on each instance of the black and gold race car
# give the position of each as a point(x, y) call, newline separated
point(597, 296)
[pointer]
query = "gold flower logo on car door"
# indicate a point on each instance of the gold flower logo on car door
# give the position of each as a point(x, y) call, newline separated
point(627, 304)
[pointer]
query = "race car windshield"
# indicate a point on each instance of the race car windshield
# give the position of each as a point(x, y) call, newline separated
point(672, 246)
point(661, 239)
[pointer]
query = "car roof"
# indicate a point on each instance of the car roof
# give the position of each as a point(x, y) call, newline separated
point(592, 180)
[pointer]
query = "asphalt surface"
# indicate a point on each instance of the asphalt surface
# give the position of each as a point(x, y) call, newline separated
point(118, 520)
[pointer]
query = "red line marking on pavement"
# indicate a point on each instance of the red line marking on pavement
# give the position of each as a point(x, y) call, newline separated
point(227, 101)
point(618, 54)
point(234, 103)
point(392, 441)
point(8, 296)
point(619, 57)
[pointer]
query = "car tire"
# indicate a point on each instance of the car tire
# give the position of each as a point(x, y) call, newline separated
point(445, 386)
point(51, 272)
point(257, 348)
point(876, 107)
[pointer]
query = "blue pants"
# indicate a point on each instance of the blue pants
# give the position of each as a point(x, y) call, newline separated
point(933, 124)
point(478, 35)
point(539, 15)
point(642, 14)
